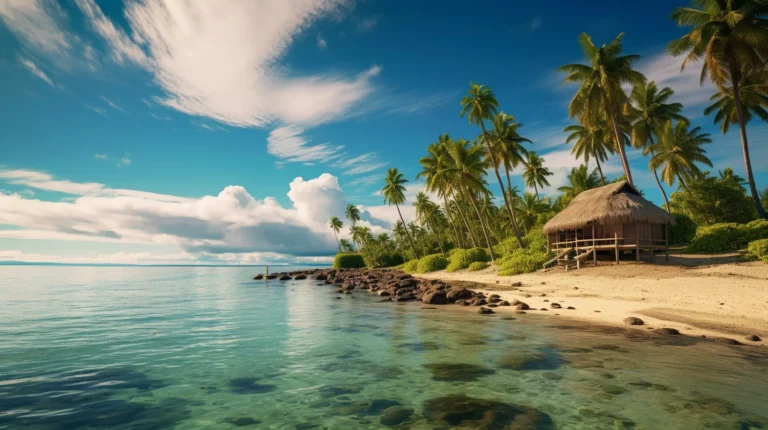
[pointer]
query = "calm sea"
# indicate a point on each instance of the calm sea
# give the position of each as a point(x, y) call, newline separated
point(208, 347)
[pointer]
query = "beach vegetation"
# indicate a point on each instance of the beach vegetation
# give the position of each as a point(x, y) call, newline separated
point(348, 260)
point(478, 265)
point(683, 231)
point(463, 258)
point(725, 237)
point(710, 200)
point(411, 266)
point(758, 248)
point(523, 261)
point(431, 263)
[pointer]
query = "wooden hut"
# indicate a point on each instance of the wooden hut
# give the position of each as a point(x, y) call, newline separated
point(615, 218)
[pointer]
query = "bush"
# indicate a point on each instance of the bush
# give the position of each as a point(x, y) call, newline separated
point(463, 258)
point(432, 263)
point(350, 260)
point(411, 266)
point(711, 200)
point(758, 248)
point(382, 259)
point(477, 265)
point(757, 229)
point(535, 240)
point(719, 238)
point(523, 261)
point(683, 231)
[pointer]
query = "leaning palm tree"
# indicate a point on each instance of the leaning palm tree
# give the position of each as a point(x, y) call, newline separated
point(600, 94)
point(650, 108)
point(534, 173)
point(480, 105)
point(579, 180)
point(466, 169)
point(732, 38)
point(336, 226)
point(677, 150)
point(394, 193)
point(353, 215)
point(425, 213)
point(345, 246)
point(590, 140)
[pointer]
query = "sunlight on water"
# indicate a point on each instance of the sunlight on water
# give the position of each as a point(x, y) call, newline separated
point(206, 347)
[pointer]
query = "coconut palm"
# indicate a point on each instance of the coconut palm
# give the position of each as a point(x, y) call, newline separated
point(754, 98)
point(345, 246)
point(650, 108)
point(591, 140)
point(353, 215)
point(600, 94)
point(466, 169)
point(394, 193)
point(728, 174)
point(732, 39)
point(425, 213)
point(677, 150)
point(336, 226)
point(579, 180)
point(534, 173)
point(478, 106)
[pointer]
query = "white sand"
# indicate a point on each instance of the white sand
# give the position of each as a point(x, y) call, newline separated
point(722, 299)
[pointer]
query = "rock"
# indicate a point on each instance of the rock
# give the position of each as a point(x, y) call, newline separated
point(503, 303)
point(492, 305)
point(519, 312)
point(458, 294)
point(571, 308)
point(384, 293)
point(543, 309)
point(522, 306)
point(633, 321)
point(726, 341)
point(272, 276)
point(667, 330)
point(395, 415)
point(322, 276)
point(555, 306)
point(485, 311)
point(753, 338)
point(460, 411)
point(300, 276)
point(517, 284)
point(546, 301)
point(436, 298)
point(285, 278)
point(462, 302)
point(259, 276)
point(520, 359)
point(457, 371)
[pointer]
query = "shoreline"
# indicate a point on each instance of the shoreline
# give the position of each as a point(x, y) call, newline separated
point(712, 301)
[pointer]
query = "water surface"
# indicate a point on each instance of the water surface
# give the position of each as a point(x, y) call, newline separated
point(207, 347)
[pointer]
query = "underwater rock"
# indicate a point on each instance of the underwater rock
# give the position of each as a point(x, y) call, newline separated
point(529, 360)
point(457, 371)
point(395, 415)
point(633, 321)
point(556, 306)
point(242, 421)
point(249, 386)
point(338, 390)
point(467, 412)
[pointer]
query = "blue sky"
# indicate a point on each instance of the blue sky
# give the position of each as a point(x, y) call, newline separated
point(142, 133)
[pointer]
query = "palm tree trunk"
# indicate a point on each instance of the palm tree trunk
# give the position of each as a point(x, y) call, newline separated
point(535, 188)
point(482, 225)
point(658, 182)
point(745, 149)
point(466, 223)
point(622, 153)
point(439, 242)
point(338, 244)
point(450, 221)
point(407, 233)
point(600, 169)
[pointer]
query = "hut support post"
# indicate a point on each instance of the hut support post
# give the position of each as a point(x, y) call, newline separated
point(548, 246)
point(637, 243)
point(594, 246)
point(616, 245)
point(666, 240)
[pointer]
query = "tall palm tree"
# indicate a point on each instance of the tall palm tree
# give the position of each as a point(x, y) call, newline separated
point(529, 208)
point(600, 93)
point(466, 169)
point(732, 38)
point(353, 215)
point(336, 226)
point(394, 193)
point(678, 150)
point(478, 106)
point(728, 174)
point(534, 173)
point(579, 180)
point(591, 140)
point(650, 109)
point(425, 213)
point(345, 246)
point(754, 98)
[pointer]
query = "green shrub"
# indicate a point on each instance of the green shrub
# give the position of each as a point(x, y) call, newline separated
point(757, 229)
point(683, 231)
point(535, 240)
point(382, 259)
point(463, 258)
point(477, 265)
point(432, 263)
point(411, 266)
point(722, 237)
point(349, 260)
point(523, 261)
point(711, 200)
point(758, 248)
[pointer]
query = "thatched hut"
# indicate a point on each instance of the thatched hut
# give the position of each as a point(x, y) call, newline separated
point(614, 218)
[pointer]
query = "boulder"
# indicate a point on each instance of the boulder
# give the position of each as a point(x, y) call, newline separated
point(259, 276)
point(727, 341)
point(300, 276)
point(384, 293)
point(633, 321)
point(667, 330)
point(522, 306)
point(503, 303)
point(485, 311)
point(458, 294)
point(436, 298)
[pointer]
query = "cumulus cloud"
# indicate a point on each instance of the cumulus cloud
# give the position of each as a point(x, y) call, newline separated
point(231, 222)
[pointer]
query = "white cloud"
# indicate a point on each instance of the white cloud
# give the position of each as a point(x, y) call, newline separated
point(124, 160)
point(123, 48)
point(32, 67)
point(322, 44)
point(361, 164)
point(289, 144)
point(36, 24)
point(232, 222)
point(665, 70)
point(112, 104)
point(101, 156)
point(99, 110)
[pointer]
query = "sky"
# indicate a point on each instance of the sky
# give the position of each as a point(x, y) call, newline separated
point(152, 132)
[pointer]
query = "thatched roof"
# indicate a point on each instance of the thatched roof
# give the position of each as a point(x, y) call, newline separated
point(618, 203)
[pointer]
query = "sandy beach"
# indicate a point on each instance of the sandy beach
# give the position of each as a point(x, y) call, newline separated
point(712, 296)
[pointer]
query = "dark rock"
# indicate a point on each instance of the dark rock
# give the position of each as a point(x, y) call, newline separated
point(272, 276)
point(546, 301)
point(259, 276)
point(338, 390)
point(457, 371)
point(322, 276)
point(571, 308)
point(517, 284)
point(529, 360)
point(395, 415)
point(300, 276)
point(522, 306)
point(633, 321)
point(436, 298)
point(544, 309)
point(384, 293)
point(503, 303)
point(249, 386)
point(458, 410)
point(458, 294)
point(667, 330)
point(556, 306)
point(462, 302)
point(753, 338)
point(485, 311)
point(242, 421)
point(285, 277)
point(726, 341)
point(492, 305)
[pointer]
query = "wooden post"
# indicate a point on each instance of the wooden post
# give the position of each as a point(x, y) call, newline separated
point(637, 243)
point(666, 240)
point(594, 246)
point(548, 249)
point(616, 245)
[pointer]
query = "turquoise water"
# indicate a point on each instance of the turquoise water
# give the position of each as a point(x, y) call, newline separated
point(207, 347)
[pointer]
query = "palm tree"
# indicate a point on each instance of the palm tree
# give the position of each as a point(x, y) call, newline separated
point(479, 105)
point(425, 213)
point(393, 193)
point(534, 173)
point(579, 180)
point(353, 214)
point(732, 38)
point(650, 109)
point(529, 208)
point(678, 150)
point(345, 246)
point(336, 226)
point(466, 169)
point(729, 175)
point(600, 94)
point(754, 98)
point(591, 140)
